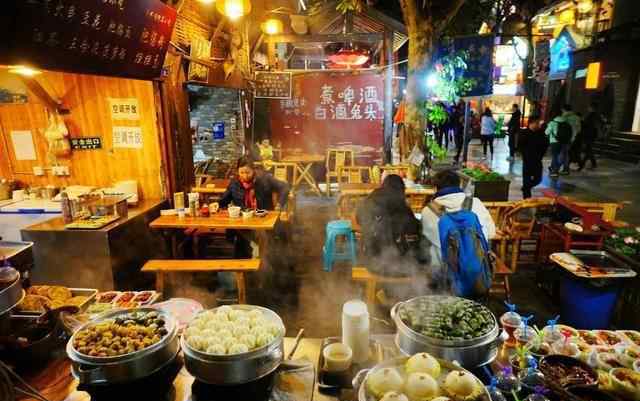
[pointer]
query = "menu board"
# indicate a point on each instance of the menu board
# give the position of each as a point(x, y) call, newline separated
point(125, 38)
point(273, 85)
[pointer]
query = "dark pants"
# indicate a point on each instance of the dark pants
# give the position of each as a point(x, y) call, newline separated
point(531, 176)
point(487, 140)
point(559, 157)
point(513, 143)
point(442, 135)
point(458, 136)
point(588, 155)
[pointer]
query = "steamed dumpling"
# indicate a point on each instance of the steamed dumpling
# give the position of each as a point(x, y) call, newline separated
point(208, 333)
point(209, 341)
point(423, 363)
point(383, 381)
point(460, 384)
point(258, 322)
point(274, 329)
point(196, 342)
point(254, 314)
point(421, 386)
point(243, 321)
point(257, 330)
point(208, 315)
point(441, 398)
point(224, 334)
point(224, 310)
point(235, 314)
point(192, 331)
point(264, 339)
point(228, 342)
point(216, 349)
point(238, 348)
point(199, 323)
point(249, 340)
point(240, 330)
point(394, 396)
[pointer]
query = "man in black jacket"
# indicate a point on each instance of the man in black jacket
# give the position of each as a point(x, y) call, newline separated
point(590, 128)
point(533, 145)
point(513, 127)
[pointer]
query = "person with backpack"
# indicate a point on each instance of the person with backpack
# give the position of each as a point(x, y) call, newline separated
point(562, 131)
point(457, 228)
point(391, 233)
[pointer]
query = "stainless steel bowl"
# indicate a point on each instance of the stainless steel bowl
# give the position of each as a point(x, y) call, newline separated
point(128, 367)
point(239, 368)
point(11, 296)
point(398, 363)
point(469, 353)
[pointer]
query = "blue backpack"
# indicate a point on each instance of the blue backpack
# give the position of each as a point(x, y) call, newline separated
point(465, 252)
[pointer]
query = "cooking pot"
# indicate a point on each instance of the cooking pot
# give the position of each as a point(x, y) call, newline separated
point(239, 368)
point(90, 370)
point(469, 353)
point(11, 296)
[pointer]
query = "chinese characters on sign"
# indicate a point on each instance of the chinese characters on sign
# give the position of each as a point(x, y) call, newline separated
point(127, 137)
point(124, 109)
point(86, 143)
point(351, 103)
point(273, 85)
point(201, 49)
point(109, 37)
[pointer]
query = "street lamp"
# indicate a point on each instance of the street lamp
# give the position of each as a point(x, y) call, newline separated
point(272, 26)
point(233, 9)
point(432, 80)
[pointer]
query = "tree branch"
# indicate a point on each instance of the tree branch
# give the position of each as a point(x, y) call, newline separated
point(445, 13)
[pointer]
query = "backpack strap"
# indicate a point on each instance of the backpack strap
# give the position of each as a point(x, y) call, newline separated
point(467, 204)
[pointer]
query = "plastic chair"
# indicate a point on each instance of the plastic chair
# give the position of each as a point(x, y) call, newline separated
point(330, 254)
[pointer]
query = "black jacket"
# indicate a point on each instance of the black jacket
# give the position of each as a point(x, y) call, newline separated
point(391, 234)
point(533, 145)
point(590, 127)
point(265, 185)
point(514, 123)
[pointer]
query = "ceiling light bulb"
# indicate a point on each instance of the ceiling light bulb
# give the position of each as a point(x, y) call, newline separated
point(24, 71)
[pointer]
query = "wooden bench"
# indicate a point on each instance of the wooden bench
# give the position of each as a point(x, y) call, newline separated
point(371, 282)
point(237, 266)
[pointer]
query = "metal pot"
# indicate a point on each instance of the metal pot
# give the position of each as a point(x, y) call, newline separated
point(469, 353)
point(124, 368)
point(240, 368)
point(11, 296)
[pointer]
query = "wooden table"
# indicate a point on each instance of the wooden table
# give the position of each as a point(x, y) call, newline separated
point(367, 188)
point(303, 164)
point(57, 384)
point(220, 220)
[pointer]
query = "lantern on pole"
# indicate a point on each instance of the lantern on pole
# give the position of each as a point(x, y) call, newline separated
point(233, 9)
point(272, 26)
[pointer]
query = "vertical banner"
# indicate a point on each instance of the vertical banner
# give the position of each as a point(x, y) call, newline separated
point(331, 109)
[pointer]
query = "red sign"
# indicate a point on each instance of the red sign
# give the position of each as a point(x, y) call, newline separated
point(126, 38)
point(331, 109)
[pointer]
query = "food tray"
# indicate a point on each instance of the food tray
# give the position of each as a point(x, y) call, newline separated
point(329, 381)
point(629, 335)
point(91, 224)
point(119, 295)
point(602, 336)
point(90, 293)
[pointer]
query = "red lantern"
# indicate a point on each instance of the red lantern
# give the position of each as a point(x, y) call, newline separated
point(349, 58)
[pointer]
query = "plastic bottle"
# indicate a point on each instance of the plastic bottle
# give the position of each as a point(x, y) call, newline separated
point(355, 329)
point(510, 321)
point(507, 382)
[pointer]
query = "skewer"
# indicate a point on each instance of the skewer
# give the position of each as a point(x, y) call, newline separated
point(296, 343)
point(23, 382)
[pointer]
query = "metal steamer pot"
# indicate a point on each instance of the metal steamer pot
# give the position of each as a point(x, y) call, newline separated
point(91, 370)
point(468, 353)
point(237, 369)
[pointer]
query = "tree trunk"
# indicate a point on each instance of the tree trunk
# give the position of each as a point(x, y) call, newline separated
point(420, 47)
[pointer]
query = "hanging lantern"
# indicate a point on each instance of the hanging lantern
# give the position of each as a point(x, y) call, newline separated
point(272, 26)
point(349, 58)
point(233, 9)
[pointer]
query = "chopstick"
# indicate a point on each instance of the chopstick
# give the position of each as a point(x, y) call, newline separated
point(34, 392)
point(296, 343)
point(29, 394)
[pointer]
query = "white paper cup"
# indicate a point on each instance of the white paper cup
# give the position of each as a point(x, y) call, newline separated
point(337, 357)
point(234, 211)
point(247, 214)
point(17, 195)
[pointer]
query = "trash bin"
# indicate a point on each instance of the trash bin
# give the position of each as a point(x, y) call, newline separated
point(587, 304)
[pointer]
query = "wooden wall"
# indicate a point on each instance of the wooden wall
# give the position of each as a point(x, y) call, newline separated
point(87, 98)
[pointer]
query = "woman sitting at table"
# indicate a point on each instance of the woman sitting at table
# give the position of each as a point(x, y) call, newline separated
point(391, 234)
point(252, 189)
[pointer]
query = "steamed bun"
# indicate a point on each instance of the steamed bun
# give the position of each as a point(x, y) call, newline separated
point(238, 348)
point(421, 386)
point(383, 381)
point(264, 339)
point(423, 363)
point(394, 396)
point(216, 349)
point(249, 340)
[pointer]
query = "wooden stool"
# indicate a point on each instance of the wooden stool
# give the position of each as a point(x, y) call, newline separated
point(371, 282)
point(237, 266)
point(501, 275)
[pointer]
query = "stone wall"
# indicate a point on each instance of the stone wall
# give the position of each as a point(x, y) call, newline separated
point(211, 105)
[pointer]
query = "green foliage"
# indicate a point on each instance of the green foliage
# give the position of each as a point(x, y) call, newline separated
point(345, 6)
point(436, 113)
point(451, 83)
point(436, 151)
point(625, 240)
point(481, 175)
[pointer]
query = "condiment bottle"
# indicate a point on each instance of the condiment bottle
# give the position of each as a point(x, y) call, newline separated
point(355, 329)
point(67, 213)
point(204, 210)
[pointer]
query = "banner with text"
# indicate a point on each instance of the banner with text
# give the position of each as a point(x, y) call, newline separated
point(331, 109)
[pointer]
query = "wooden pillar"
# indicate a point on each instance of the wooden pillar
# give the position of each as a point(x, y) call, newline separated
point(388, 95)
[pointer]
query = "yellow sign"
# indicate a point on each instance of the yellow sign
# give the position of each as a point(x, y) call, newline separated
point(593, 76)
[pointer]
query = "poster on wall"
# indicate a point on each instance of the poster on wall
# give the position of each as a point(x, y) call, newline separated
point(331, 109)
point(12, 90)
point(23, 147)
point(127, 137)
point(123, 38)
point(124, 109)
point(273, 85)
point(200, 49)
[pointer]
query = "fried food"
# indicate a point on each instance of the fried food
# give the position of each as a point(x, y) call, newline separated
point(76, 301)
point(59, 293)
point(34, 303)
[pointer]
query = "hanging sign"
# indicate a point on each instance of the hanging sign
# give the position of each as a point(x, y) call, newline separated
point(218, 130)
point(124, 109)
point(273, 85)
point(86, 143)
point(125, 38)
point(200, 48)
point(127, 137)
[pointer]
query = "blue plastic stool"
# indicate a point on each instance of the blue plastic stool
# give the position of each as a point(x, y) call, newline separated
point(334, 229)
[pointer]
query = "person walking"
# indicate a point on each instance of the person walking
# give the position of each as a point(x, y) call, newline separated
point(513, 127)
point(533, 145)
point(487, 131)
point(590, 131)
point(562, 131)
point(458, 128)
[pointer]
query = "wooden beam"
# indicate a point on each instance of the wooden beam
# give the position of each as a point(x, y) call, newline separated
point(41, 93)
point(388, 95)
point(338, 37)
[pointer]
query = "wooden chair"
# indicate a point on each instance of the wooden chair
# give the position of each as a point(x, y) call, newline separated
point(417, 202)
point(337, 158)
point(281, 171)
point(371, 282)
point(501, 275)
point(353, 174)
point(348, 204)
point(607, 210)
point(237, 266)
point(400, 169)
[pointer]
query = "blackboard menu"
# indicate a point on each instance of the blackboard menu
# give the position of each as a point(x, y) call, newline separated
point(124, 38)
point(273, 85)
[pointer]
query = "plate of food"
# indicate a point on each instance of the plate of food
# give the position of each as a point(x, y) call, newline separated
point(590, 338)
point(563, 371)
point(626, 383)
point(419, 377)
point(632, 336)
point(39, 298)
point(609, 337)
